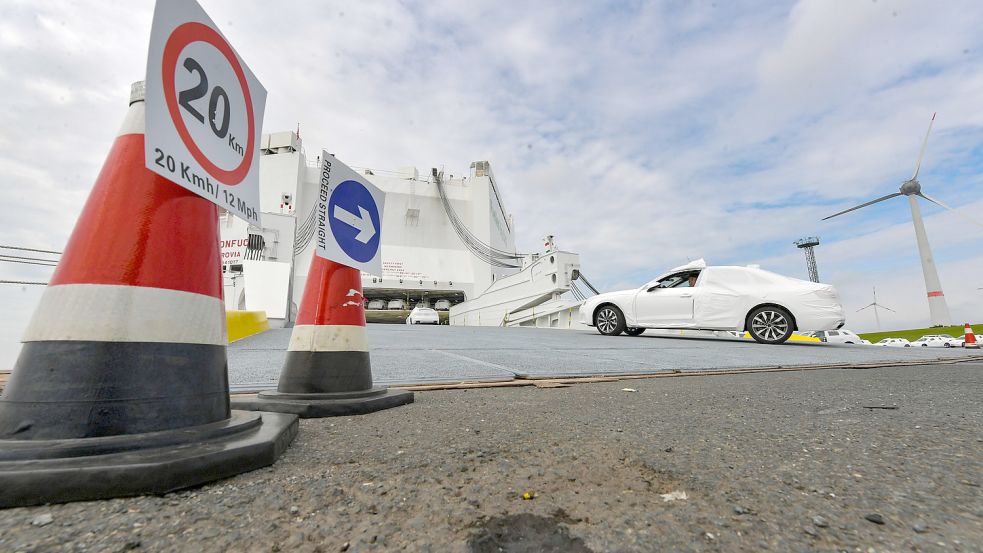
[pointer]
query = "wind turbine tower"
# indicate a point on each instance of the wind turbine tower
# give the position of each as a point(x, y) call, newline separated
point(937, 307)
point(875, 305)
point(807, 245)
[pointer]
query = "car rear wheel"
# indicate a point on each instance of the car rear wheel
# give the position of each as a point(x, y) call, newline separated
point(634, 331)
point(609, 321)
point(769, 324)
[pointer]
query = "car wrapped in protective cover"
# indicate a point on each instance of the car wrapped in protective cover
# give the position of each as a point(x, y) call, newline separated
point(768, 305)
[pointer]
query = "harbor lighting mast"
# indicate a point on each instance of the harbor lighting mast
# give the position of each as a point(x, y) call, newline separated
point(807, 244)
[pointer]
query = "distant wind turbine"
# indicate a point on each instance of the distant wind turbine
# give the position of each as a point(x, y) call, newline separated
point(875, 305)
point(938, 309)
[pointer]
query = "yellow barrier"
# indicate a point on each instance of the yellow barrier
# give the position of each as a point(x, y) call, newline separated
point(242, 324)
point(793, 338)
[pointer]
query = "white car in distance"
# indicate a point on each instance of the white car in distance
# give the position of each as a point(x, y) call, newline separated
point(442, 305)
point(936, 341)
point(423, 315)
point(894, 343)
point(767, 305)
point(838, 337)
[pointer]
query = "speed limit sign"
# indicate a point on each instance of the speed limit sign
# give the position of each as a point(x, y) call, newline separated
point(204, 110)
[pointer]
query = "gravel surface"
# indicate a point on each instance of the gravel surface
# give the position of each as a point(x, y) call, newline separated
point(873, 460)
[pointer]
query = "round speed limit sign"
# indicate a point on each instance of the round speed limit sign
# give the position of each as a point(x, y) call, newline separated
point(204, 107)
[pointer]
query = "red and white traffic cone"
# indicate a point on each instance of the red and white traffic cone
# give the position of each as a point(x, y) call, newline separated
point(121, 387)
point(971, 342)
point(327, 371)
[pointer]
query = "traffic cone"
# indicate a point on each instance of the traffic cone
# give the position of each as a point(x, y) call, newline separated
point(327, 371)
point(121, 387)
point(970, 338)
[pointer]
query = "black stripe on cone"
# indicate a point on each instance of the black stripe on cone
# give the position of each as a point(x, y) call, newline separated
point(326, 372)
point(112, 388)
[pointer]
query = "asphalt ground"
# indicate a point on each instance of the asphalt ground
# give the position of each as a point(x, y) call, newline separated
point(404, 354)
point(872, 460)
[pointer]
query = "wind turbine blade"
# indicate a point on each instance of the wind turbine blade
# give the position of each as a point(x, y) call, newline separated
point(959, 213)
point(868, 306)
point(888, 308)
point(881, 199)
point(922, 153)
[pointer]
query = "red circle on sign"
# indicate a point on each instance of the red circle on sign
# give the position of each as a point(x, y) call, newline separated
point(182, 36)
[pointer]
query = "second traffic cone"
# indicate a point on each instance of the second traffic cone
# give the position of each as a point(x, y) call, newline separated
point(327, 371)
point(121, 387)
point(971, 342)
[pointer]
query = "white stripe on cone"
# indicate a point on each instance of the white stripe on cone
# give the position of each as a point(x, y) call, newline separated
point(329, 338)
point(113, 313)
point(135, 121)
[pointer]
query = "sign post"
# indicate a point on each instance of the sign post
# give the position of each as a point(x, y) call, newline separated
point(349, 217)
point(204, 110)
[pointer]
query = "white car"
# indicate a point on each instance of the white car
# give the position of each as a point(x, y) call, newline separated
point(423, 315)
point(376, 304)
point(937, 341)
point(768, 305)
point(894, 343)
point(838, 337)
point(442, 305)
point(396, 304)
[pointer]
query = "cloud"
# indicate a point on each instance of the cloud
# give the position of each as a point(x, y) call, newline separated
point(640, 134)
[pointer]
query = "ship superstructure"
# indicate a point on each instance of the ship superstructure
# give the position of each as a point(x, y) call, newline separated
point(446, 239)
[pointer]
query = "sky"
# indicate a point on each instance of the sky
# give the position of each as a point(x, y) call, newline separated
point(640, 134)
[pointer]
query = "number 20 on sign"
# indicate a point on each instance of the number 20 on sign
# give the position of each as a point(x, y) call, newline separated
point(204, 110)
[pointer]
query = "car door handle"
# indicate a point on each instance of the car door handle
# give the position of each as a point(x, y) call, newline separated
point(686, 295)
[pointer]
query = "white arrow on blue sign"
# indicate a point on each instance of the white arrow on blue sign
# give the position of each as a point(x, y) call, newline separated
point(349, 217)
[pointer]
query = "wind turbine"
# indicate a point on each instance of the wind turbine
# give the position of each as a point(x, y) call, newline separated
point(875, 305)
point(938, 309)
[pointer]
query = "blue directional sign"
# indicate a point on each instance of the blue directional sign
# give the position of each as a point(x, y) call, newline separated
point(354, 220)
point(349, 217)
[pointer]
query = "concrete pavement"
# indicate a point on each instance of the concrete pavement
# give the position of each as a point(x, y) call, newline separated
point(404, 354)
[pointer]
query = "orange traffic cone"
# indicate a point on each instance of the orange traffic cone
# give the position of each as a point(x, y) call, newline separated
point(970, 338)
point(327, 371)
point(121, 387)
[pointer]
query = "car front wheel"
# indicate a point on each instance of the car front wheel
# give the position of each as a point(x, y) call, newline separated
point(770, 325)
point(634, 331)
point(609, 321)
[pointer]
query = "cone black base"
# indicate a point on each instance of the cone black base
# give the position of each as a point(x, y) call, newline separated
point(34, 472)
point(311, 406)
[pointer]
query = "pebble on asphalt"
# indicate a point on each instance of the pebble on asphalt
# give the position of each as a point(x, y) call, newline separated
point(920, 527)
point(42, 520)
point(875, 518)
point(819, 521)
point(673, 496)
